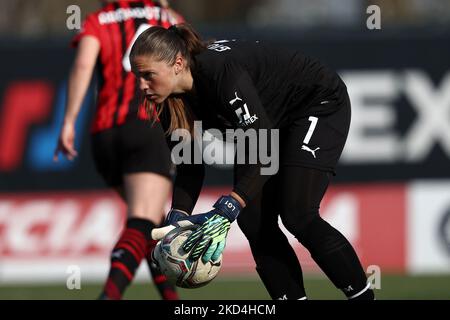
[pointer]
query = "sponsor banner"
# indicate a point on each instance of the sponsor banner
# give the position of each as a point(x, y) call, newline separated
point(360, 212)
point(429, 227)
point(41, 235)
point(59, 225)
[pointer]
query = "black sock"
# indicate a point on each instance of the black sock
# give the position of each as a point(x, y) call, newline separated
point(343, 268)
point(166, 289)
point(127, 256)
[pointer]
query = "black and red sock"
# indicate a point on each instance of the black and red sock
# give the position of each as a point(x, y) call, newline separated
point(126, 257)
point(165, 288)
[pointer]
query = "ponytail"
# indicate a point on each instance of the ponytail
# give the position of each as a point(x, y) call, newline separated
point(164, 45)
point(193, 44)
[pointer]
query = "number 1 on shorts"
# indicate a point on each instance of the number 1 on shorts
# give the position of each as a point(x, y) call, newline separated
point(311, 129)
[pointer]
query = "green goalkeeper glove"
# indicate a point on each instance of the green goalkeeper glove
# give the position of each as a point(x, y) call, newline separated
point(209, 240)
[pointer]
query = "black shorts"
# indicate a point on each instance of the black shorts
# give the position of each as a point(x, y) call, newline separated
point(316, 141)
point(136, 146)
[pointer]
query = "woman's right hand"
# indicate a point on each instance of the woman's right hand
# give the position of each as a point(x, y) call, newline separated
point(66, 142)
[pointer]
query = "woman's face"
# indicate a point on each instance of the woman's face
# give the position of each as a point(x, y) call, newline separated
point(157, 79)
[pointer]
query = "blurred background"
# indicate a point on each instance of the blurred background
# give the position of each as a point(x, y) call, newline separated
point(391, 196)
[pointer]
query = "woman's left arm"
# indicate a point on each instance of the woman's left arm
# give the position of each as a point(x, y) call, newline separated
point(242, 106)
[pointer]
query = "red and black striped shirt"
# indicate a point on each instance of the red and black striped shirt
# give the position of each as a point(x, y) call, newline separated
point(117, 25)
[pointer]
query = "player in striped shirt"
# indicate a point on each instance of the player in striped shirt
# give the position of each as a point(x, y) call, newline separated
point(129, 150)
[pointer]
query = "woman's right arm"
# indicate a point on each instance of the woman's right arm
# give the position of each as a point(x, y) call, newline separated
point(79, 79)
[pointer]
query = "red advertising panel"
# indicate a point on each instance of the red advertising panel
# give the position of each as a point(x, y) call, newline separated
point(45, 229)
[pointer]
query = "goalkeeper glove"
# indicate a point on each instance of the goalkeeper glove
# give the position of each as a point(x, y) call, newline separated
point(208, 241)
point(177, 218)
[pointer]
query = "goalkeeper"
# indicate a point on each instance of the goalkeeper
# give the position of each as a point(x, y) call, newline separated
point(251, 85)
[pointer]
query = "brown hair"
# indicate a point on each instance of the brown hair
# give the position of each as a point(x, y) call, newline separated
point(164, 45)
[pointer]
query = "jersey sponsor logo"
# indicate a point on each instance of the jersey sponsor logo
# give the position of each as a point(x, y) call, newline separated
point(242, 113)
point(313, 152)
point(124, 14)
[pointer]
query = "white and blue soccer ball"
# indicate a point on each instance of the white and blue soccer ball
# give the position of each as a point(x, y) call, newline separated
point(174, 263)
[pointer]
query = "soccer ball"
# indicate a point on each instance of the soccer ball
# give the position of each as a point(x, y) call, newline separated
point(173, 261)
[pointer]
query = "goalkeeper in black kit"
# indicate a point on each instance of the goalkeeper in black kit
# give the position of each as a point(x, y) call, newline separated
point(251, 85)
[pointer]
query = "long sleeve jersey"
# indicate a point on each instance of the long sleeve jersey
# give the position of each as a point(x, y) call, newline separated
point(251, 85)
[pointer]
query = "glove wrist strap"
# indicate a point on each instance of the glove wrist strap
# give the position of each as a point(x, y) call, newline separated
point(229, 207)
point(174, 215)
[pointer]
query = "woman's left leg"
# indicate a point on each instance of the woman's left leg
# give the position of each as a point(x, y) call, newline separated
point(302, 190)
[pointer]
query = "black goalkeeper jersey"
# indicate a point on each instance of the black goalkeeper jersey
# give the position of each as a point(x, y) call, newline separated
point(243, 84)
point(277, 85)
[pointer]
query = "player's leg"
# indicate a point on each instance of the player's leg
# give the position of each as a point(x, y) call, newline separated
point(302, 191)
point(144, 172)
point(276, 262)
point(317, 141)
point(165, 288)
point(146, 195)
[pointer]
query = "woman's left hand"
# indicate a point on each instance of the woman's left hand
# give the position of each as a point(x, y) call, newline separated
point(209, 240)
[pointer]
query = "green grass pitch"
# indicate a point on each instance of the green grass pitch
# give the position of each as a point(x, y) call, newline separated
point(224, 288)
